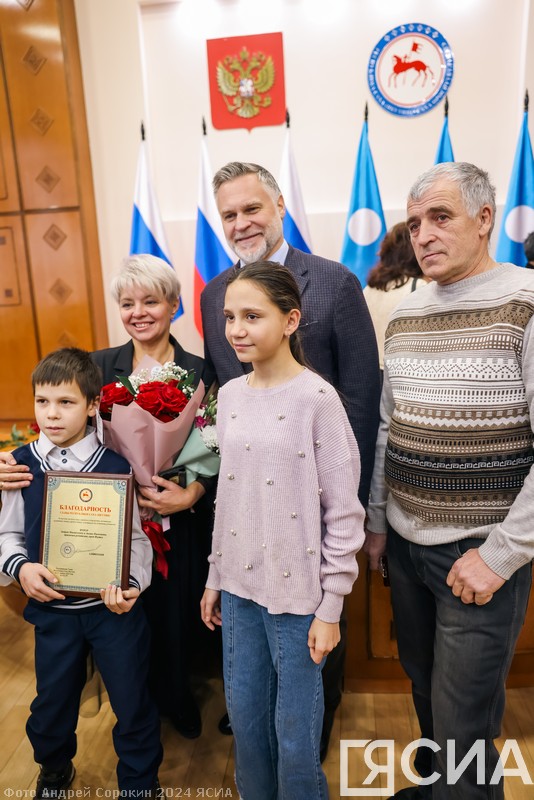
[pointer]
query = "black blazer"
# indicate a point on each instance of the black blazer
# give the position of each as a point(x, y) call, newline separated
point(116, 361)
point(338, 339)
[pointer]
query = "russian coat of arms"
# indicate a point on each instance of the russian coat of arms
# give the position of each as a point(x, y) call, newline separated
point(244, 81)
point(247, 81)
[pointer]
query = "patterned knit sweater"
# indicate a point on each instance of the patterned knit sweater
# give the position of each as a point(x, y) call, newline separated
point(455, 446)
point(288, 521)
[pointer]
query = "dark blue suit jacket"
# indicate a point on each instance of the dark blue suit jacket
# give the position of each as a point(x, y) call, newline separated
point(338, 339)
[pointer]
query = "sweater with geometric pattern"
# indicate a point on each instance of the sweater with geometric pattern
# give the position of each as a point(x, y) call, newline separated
point(455, 447)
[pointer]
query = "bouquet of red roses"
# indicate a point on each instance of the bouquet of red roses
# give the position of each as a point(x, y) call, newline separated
point(147, 418)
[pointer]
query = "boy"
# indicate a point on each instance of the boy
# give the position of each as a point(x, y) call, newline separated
point(66, 387)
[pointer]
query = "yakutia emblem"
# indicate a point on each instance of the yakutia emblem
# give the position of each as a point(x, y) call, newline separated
point(247, 81)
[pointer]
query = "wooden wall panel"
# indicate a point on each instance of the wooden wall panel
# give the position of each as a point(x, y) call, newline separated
point(57, 270)
point(35, 70)
point(9, 192)
point(17, 335)
point(50, 276)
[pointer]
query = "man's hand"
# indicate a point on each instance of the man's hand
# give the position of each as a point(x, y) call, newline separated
point(210, 608)
point(322, 638)
point(374, 547)
point(172, 498)
point(472, 580)
point(118, 601)
point(32, 577)
point(13, 475)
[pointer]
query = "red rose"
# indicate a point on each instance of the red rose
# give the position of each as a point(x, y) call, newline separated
point(173, 400)
point(114, 394)
point(148, 397)
point(162, 400)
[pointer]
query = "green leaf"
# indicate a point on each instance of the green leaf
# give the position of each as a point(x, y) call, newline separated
point(125, 380)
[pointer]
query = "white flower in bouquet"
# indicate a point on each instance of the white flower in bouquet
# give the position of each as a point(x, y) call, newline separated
point(208, 435)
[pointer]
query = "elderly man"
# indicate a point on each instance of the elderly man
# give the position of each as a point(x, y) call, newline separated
point(452, 484)
point(337, 333)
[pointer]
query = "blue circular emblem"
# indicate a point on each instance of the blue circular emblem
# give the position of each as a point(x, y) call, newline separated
point(410, 69)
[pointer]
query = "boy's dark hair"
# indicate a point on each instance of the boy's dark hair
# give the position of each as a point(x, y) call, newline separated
point(68, 365)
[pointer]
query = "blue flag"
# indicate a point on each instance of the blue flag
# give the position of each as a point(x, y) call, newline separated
point(444, 152)
point(148, 234)
point(518, 217)
point(212, 254)
point(366, 225)
point(296, 231)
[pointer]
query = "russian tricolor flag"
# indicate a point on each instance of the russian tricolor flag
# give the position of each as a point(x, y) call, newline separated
point(212, 254)
point(296, 231)
point(148, 233)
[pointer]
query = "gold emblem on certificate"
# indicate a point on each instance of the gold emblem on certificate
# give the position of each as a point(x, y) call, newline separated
point(86, 531)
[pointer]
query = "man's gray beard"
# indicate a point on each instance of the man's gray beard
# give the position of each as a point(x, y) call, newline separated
point(250, 258)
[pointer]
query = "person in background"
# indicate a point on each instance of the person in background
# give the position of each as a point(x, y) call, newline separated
point(147, 292)
point(288, 524)
point(528, 245)
point(337, 334)
point(66, 385)
point(396, 275)
point(453, 486)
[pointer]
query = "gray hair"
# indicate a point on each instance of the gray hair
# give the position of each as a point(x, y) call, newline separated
point(149, 272)
point(237, 169)
point(474, 184)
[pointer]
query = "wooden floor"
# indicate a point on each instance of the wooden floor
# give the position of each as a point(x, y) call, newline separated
point(204, 767)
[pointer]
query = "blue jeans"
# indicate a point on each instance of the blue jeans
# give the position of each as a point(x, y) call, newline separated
point(274, 696)
point(457, 657)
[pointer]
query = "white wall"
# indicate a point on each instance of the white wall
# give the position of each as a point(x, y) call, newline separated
point(326, 50)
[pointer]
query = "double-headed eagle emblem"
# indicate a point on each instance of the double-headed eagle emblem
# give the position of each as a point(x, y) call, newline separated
point(246, 78)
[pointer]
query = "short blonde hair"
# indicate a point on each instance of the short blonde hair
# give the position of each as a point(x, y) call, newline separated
point(149, 272)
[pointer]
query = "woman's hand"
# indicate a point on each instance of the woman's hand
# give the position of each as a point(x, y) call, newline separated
point(210, 608)
point(322, 638)
point(118, 601)
point(13, 475)
point(172, 498)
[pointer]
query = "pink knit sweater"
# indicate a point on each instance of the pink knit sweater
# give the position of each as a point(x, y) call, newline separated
point(288, 522)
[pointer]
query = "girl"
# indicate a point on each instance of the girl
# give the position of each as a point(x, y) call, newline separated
point(288, 524)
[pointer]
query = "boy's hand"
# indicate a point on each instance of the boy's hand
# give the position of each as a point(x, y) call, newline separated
point(32, 577)
point(322, 638)
point(210, 608)
point(13, 475)
point(118, 601)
